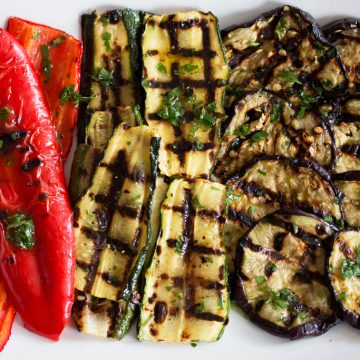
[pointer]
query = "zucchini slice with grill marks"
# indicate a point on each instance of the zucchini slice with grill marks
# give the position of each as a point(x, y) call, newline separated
point(184, 77)
point(108, 318)
point(344, 274)
point(345, 35)
point(284, 51)
point(263, 123)
point(111, 222)
point(186, 297)
point(280, 280)
point(111, 69)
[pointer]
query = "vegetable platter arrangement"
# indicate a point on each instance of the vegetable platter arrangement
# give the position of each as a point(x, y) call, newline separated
point(213, 167)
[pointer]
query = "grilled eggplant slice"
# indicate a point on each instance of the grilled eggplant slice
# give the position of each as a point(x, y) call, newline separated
point(263, 123)
point(344, 274)
point(111, 222)
point(347, 136)
point(184, 76)
point(280, 275)
point(284, 51)
point(186, 297)
point(345, 35)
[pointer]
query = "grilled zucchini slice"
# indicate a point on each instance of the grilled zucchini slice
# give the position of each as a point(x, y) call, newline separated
point(184, 76)
point(284, 51)
point(344, 274)
point(345, 35)
point(281, 282)
point(186, 297)
point(263, 123)
point(112, 318)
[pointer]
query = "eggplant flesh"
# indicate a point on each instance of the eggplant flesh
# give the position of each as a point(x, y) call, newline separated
point(280, 275)
point(345, 35)
point(284, 51)
point(344, 274)
point(264, 123)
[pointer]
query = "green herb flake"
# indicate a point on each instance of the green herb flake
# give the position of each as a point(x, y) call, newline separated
point(104, 77)
point(196, 203)
point(220, 302)
point(4, 113)
point(135, 198)
point(208, 259)
point(179, 245)
point(350, 268)
point(45, 61)
point(194, 343)
point(252, 44)
point(229, 197)
point(138, 116)
point(206, 117)
point(260, 279)
point(250, 210)
point(303, 315)
point(68, 93)
point(104, 21)
point(289, 76)
point(294, 229)
point(200, 309)
point(275, 113)
point(262, 172)
point(169, 288)
point(20, 231)
point(161, 68)
point(258, 136)
point(328, 218)
point(57, 41)
point(187, 69)
point(242, 130)
point(343, 296)
point(106, 37)
point(327, 84)
point(36, 34)
point(172, 109)
point(281, 27)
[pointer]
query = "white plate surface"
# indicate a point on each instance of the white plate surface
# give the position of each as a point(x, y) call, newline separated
point(241, 340)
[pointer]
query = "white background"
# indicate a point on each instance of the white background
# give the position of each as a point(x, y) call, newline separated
point(241, 339)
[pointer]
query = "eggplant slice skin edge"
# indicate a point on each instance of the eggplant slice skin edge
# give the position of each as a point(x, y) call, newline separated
point(345, 277)
point(287, 300)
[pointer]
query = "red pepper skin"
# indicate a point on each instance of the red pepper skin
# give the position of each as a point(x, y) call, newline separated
point(65, 62)
point(7, 315)
point(39, 282)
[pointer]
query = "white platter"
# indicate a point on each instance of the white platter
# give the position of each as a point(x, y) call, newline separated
point(241, 340)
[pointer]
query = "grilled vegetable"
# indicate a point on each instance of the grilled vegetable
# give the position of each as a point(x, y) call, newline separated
point(347, 136)
point(87, 156)
point(186, 297)
point(37, 259)
point(111, 63)
point(7, 315)
point(184, 76)
point(281, 282)
point(283, 51)
point(344, 274)
point(266, 124)
point(56, 57)
point(344, 34)
point(112, 233)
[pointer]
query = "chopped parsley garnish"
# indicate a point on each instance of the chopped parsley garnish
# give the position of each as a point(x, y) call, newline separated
point(250, 210)
point(20, 231)
point(172, 109)
point(220, 302)
point(281, 27)
point(260, 279)
point(200, 309)
point(294, 229)
point(207, 116)
point(328, 218)
point(10, 162)
point(306, 101)
point(327, 84)
point(208, 259)
point(168, 287)
point(258, 136)
point(104, 21)
point(196, 203)
point(194, 343)
point(45, 55)
point(229, 197)
point(351, 268)
point(36, 34)
point(68, 93)
point(242, 130)
point(135, 198)
point(4, 113)
point(252, 43)
point(138, 116)
point(104, 77)
point(106, 37)
point(161, 68)
point(262, 172)
point(187, 69)
point(319, 48)
point(325, 112)
point(275, 113)
point(289, 76)
point(179, 245)
point(57, 41)
point(343, 296)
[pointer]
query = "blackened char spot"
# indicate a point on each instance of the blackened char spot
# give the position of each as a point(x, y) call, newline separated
point(31, 164)
point(160, 312)
point(279, 240)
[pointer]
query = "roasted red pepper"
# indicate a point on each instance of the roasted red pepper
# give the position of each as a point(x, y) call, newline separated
point(7, 314)
point(56, 57)
point(36, 236)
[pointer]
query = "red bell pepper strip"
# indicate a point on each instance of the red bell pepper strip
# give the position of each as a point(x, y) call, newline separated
point(37, 259)
point(7, 315)
point(56, 57)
